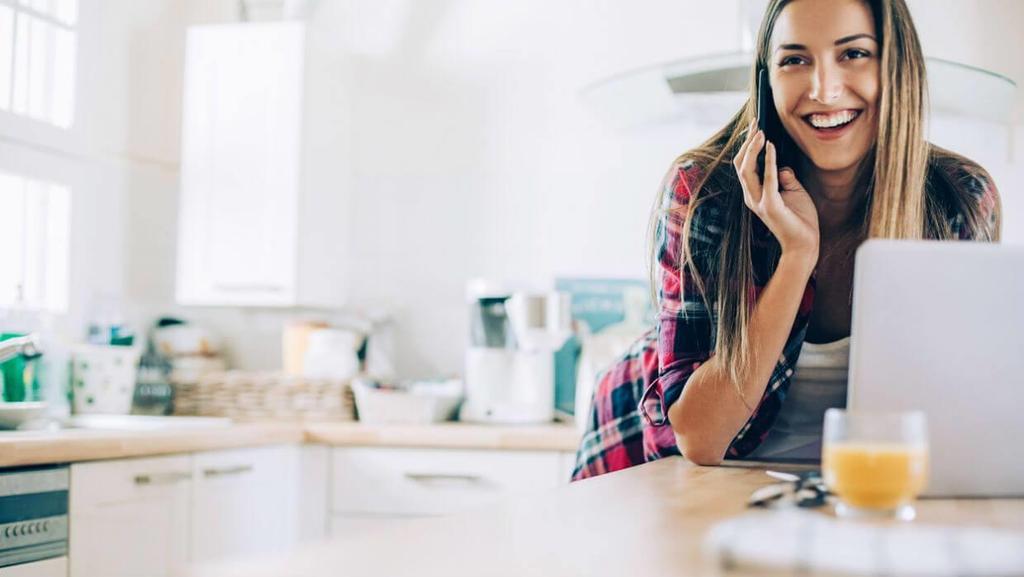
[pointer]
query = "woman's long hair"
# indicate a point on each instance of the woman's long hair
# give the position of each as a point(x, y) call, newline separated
point(899, 202)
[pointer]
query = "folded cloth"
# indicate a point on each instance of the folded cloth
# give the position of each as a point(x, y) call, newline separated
point(797, 542)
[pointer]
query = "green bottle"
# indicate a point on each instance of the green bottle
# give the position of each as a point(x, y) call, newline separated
point(20, 378)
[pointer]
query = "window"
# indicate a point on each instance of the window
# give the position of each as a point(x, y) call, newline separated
point(37, 59)
point(34, 244)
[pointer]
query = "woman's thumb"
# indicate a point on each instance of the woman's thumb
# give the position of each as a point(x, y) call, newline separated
point(788, 180)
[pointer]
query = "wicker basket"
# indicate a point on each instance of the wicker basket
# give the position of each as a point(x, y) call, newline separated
point(265, 395)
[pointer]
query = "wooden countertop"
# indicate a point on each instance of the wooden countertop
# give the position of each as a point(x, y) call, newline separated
point(648, 521)
point(453, 435)
point(70, 445)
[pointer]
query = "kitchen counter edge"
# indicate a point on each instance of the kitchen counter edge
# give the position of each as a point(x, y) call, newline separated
point(44, 447)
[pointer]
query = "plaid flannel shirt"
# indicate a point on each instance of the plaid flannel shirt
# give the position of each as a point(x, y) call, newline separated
point(652, 373)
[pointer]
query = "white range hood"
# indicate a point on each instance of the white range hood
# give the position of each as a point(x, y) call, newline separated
point(709, 89)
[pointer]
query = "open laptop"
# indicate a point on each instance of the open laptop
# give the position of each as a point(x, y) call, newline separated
point(939, 326)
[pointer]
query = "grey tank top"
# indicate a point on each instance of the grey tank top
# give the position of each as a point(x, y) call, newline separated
point(818, 383)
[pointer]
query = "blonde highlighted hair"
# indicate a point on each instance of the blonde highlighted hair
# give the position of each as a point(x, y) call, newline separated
point(900, 202)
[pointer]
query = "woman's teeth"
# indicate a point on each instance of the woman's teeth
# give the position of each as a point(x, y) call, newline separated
point(832, 120)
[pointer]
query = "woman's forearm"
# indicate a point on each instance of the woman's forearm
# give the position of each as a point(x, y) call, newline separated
point(710, 412)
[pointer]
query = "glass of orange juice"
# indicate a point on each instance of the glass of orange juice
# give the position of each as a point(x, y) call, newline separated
point(875, 463)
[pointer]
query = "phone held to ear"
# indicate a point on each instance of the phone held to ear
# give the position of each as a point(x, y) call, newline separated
point(764, 101)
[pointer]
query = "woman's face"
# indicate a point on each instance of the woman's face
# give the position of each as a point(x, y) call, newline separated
point(824, 70)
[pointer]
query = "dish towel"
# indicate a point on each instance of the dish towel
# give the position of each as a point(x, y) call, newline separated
point(796, 542)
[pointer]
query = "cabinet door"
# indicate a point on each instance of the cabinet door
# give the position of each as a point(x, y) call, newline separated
point(352, 525)
point(240, 164)
point(129, 518)
point(56, 567)
point(244, 501)
point(382, 482)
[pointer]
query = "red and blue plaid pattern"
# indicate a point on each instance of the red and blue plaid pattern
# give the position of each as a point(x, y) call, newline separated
point(652, 373)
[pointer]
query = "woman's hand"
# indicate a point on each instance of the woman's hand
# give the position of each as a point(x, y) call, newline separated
point(789, 214)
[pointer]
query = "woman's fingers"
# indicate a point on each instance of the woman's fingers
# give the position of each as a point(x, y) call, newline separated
point(748, 170)
point(737, 163)
point(770, 189)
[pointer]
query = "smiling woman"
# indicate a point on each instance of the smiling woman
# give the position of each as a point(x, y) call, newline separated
point(754, 271)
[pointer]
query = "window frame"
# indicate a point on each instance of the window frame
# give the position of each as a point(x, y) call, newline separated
point(18, 8)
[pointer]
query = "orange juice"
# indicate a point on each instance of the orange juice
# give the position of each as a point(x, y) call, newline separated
point(875, 475)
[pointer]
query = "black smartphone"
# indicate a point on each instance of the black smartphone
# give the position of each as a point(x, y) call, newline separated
point(764, 104)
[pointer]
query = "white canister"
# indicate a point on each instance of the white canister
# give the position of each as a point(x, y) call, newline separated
point(332, 354)
point(103, 378)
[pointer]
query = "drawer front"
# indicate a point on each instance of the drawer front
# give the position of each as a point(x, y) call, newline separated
point(435, 481)
point(100, 482)
point(243, 502)
point(353, 525)
point(272, 461)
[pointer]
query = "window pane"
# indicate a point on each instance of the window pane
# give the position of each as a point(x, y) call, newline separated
point(6, 55)
point(33, 279)
point(44, 71)
point(63, 79)
point(58, 248)
point(12, 236)
point(22, 42)
point(40, 70)
point(46, 246)
point(35, 219)
point(66, 11)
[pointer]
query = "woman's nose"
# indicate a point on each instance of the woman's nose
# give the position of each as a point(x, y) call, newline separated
point(827, 86)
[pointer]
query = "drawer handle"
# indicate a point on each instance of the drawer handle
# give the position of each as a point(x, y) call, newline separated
point(230, 287)
point(432, 478)
point(226, 471)
point(162, 478)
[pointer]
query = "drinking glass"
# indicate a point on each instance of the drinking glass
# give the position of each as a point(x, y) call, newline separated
point(875, 463)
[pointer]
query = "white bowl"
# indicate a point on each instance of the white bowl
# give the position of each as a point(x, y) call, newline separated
point(177, 340)
point(13, 415)
point(379, 406)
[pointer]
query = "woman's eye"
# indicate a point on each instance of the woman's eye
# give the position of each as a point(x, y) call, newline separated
point(857, 53)
point(790, 60)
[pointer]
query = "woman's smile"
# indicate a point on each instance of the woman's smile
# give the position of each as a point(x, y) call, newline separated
point(831, 126)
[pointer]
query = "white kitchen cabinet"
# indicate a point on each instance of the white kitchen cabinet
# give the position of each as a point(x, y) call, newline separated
point(350, 525)
point(244, 502)
point(56, 567)
point(372, 486)
point(263, 205)
point(150, 517)
point(129, 518)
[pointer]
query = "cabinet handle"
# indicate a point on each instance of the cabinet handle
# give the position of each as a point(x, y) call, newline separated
point(162, 478)
point(225, 471)
point(446, 478)
point(228, 287)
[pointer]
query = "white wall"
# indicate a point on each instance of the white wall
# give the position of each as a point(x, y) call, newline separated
point(471, 156)
point(474, 157)
point(985, 34)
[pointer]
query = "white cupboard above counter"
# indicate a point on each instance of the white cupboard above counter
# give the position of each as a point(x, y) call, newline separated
point(264, 188)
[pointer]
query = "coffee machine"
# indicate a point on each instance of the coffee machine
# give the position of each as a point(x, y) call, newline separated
point(513, 336)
